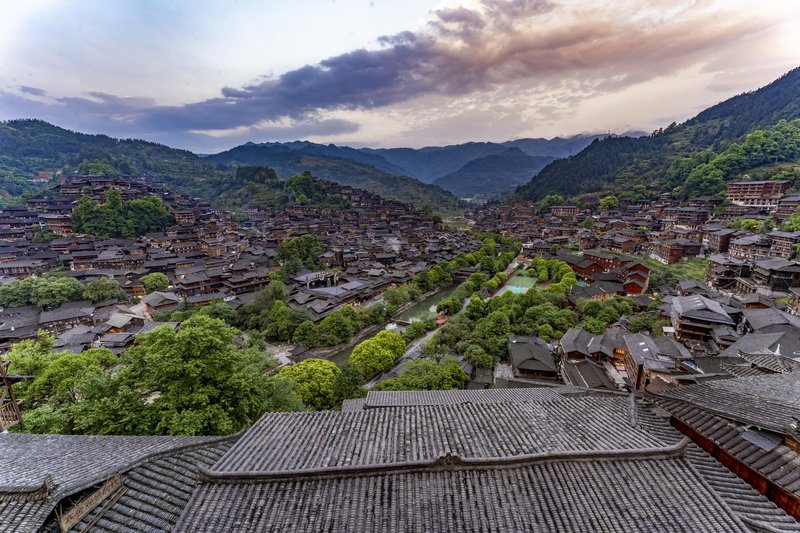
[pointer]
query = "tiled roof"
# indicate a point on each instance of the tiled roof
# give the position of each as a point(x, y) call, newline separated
point(47, 468)
point(770, 401)
point(538, 464)
point(155, 493)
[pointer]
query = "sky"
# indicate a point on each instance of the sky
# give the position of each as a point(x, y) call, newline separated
point(209, 75)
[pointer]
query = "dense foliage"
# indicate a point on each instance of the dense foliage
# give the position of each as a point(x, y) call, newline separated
point(155, 281)
point(52, 290)
point(116, 218)
point(427, 374)
point(195, 381)
point(378, 354)
point(314, 380)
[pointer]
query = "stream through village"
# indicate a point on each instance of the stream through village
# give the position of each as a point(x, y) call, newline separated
point(422, 309)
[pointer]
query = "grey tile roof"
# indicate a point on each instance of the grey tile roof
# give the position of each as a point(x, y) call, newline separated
point(775, 462)
point(361, 473)
point(759, 513)
point(550, 496)
point(769, 401)
point(156, 493)
point(396, 435)
point(456, 397)
point(47, 468)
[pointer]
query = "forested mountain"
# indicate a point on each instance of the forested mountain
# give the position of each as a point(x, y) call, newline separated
point(288, 162)
point(31, 148)
point(496, 173)
point(433, 162)
point(673, 158)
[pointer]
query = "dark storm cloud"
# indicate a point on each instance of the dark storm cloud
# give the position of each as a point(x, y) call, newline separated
point(35, 91)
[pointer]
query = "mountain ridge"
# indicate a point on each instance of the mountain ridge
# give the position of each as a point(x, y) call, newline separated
point(658, 162)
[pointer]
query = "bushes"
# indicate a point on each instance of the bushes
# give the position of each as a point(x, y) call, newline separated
point(428, 374)
point(418, 328)
point(379, 353)
point(314, 380)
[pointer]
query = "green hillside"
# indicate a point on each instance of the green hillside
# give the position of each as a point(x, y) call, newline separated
point(288, 162)
point(665, 160)
point(31, 147)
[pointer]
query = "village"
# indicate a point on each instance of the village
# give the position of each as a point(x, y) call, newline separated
point(741, 319)
point(735, 332)
point(208, 256)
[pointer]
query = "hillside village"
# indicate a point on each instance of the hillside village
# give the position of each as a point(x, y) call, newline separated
point(304, 336)
point(208, 255)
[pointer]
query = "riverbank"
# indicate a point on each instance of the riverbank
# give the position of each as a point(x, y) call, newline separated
point(340, 353)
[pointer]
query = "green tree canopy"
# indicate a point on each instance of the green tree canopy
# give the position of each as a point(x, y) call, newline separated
point(609, 202)
point(314, 380)
point(116, 218)
point(305, 248)
point(428, 374)
point(46, 291)
point(155, 281)
point(103, 289)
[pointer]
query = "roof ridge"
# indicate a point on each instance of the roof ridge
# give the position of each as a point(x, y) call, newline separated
point(448, 462)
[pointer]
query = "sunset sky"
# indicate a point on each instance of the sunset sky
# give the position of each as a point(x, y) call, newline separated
point(210, 75)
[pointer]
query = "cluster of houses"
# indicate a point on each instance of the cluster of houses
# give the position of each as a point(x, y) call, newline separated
point(208, 255)
point(741, 321)
point(665, 229)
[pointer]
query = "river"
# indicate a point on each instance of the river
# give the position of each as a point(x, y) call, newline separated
point(425, 308)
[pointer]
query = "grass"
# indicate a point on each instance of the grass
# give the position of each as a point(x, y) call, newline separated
point(691, 269)
point(519, 282)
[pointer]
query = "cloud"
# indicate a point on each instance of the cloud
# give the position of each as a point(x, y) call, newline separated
point(568, 51)
point(35, 91)
point(464, 50)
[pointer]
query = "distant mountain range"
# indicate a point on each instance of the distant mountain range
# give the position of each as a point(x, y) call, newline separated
point(432, 175)
point(474, 168)
point(492, 174)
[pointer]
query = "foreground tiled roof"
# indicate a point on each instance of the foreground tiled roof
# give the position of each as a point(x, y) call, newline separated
point(155, 493)
point(516, 460)
point(560, 495)
point(38, 471)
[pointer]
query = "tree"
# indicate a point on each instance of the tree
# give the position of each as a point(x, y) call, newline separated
point(306, 248)
point(31, 356)
point(68, 378)
point(281, 395)
point(792, 223)
point(306, 334)
point(52, 291)
point(335, 329)
point(418, 328)
point(478, 356)
point(491, 334)
point(104, 289)
point(314, 379)
point(449, 306)
point(397, 295)
point(349, 384)
point(17, 293)
point(428, 374)
point(195, 381)
point(609, 202)
point(116, 218)
point(155, 281)
point(378, 353)
point(476, 308)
